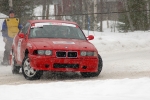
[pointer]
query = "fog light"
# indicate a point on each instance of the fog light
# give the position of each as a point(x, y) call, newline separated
point(84, 67)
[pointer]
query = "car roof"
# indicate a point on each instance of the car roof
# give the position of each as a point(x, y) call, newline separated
point(56, 21)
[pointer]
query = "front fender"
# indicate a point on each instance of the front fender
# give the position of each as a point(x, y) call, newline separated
point(31, 47)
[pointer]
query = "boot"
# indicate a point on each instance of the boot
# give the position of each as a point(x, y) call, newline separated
point(5, 63)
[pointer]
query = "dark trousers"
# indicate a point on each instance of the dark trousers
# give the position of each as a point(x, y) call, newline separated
point(8, 47)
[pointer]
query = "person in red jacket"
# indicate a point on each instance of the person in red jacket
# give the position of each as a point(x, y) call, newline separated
point(10, 28)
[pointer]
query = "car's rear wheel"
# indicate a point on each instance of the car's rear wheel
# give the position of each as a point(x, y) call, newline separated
point(15, 69)
point(94, 74)
point(28, 72)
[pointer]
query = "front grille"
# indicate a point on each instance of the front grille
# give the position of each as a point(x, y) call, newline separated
point(75, 66)
point(61, 54)
point(69, 54)
point(72, 54)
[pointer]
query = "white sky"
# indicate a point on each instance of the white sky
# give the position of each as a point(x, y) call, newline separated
point(92, 88)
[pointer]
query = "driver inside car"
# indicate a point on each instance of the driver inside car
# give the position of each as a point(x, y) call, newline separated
point(39, 33)
point(64, 32)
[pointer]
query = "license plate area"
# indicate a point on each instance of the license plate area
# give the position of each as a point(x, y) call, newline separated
point(74, 66)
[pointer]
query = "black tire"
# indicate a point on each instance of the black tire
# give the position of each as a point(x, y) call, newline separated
point(28, 72)
point(94, 74)
point(15, 69)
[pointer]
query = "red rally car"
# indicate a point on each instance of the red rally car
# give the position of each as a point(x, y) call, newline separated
point(54, 45)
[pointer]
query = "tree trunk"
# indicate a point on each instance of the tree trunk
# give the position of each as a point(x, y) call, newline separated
point(44, 9)
point(128, 16)
point(83, 16)
point(95, 15)
point(101, 16)
point(47, 11)
point(87, 16)
point(108, 13)
point(148, 12)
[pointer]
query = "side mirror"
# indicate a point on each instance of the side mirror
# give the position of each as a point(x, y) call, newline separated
point(21, 35)
point(90, 37)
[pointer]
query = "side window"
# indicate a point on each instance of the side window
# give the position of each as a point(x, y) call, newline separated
point(25, 28)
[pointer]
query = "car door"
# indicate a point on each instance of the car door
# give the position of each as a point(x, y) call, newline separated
point(21, 44)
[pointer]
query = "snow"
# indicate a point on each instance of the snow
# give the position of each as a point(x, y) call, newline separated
point(91, 88)
point(124, 89)
point(38, 11)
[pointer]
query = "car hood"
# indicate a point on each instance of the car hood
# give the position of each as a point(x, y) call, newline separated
point(62, 44)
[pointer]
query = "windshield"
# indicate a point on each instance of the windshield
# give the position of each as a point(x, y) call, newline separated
point(56, 31)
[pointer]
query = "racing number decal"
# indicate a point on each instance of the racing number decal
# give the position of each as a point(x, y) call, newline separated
point(19, 50)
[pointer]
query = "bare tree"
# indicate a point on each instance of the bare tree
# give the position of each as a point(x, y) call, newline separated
point(83, 17)
point(148, 12)
point(47, 11)
point(101, 16)
point(128, 15)
point(89, 2)
point(108, 13)
point(44, 9)
point(95, 15)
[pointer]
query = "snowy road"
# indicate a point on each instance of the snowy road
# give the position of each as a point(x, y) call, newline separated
point(117, 65)
point(129, 64)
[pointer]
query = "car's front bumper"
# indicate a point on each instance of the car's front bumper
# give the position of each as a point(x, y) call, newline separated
point(47, 63)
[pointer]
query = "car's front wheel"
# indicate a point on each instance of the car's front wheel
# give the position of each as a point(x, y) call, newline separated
point(94, 74)
point(28, 72)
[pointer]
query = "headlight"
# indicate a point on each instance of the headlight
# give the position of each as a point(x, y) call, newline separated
point(83, 53)
point(48, 52)
point(88, 53)
point(41, 52)
point(44, 52)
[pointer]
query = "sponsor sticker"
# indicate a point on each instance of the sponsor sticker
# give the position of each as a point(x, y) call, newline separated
point(52, 23)
point(19, 49)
